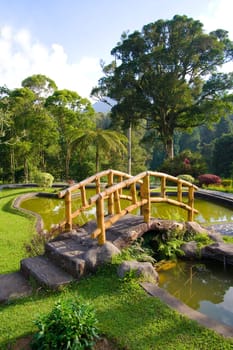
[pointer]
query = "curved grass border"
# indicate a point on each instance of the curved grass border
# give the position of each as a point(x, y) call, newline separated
point(39, 225)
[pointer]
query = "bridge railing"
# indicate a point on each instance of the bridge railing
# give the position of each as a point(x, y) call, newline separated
point(108, 177)
point(139, 196)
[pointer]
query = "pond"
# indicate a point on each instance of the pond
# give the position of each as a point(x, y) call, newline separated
point(52, 211)
point(206, 287)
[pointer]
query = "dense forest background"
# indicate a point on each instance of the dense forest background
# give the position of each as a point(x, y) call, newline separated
point(56, 131)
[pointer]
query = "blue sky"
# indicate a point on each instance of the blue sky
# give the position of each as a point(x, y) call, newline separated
point(66, 39)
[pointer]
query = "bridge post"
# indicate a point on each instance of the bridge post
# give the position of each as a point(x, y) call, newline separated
point(68, 211)
point(191, 204)
point(163, 187)
point(97, 184)
point(145, 194)
point(100, 220)
point(110, 198)
point(179, 191)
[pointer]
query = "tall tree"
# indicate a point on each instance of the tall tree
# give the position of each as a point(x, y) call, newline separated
point(223, 156)
point(41, 85)
point(73, 115)
point(167, 74)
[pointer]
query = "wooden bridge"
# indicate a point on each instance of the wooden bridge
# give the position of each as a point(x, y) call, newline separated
point(109, 185)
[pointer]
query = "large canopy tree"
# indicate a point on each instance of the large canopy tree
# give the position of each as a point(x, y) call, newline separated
point(168, 74)
point(73, 114)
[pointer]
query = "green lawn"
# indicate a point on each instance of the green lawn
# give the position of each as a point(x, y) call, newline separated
point(16, 228)
point(125, 312)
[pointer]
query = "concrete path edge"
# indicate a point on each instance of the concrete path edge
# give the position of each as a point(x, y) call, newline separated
point(187, 311)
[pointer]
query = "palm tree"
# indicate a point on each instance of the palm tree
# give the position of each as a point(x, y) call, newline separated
point(104, 141)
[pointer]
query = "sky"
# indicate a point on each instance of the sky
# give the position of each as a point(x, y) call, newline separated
point(66, 39)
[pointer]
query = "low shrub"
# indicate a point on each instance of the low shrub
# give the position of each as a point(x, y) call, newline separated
point(209, 179)
point(186, 177)
point(36, 246)
point(187, 162)
point(70, 325)
point(43, 179)
point(226, 183)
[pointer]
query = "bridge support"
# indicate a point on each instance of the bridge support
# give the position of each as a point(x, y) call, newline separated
point(68, 211)
point(145, 195)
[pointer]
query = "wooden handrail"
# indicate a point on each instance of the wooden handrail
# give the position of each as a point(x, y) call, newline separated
point(113, 194)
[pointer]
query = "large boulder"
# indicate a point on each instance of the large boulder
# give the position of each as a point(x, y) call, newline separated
point(144, 269)
point(190, 250)
point(218, 251)
point(100, 254)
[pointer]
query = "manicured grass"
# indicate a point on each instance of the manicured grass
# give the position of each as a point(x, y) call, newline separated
point(125, 312)
point(16, 228)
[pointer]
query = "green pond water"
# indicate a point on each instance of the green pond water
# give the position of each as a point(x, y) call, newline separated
point(207, 288)
point(52, 211)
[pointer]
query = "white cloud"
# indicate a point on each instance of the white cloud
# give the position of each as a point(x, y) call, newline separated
point(21, 57)
point(219, 16)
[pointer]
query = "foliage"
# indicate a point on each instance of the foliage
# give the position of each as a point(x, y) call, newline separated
point(227, 182)
point(186, 177)
point(228, 239)
point(167, 74)
point(41, 85)
point(170, 249)
point(36, 245)
point(209, 179)
point(202, 239)
point(137, 251)
point(187, 162)
point(43, 179)
point(73, 115)
point(70, 325)
point(223, 155)
point(104, 142)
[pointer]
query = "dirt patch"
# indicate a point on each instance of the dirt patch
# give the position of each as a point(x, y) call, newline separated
point(24, 344)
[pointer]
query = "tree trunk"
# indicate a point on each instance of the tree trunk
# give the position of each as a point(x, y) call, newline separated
point(67, 165)
point(12, 162)
point(169, 147)
point(129, 135)
point(97, 159)
point(26, 170)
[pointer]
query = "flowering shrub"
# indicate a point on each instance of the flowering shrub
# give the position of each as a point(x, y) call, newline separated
point(187, 162)
point(209, 179)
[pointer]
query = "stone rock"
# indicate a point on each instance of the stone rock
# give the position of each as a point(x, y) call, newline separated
point(194, 228)
point(218, 251)
point(215, 236)
point(161, 226)
point(99, 255)
point(190, 250)
point(145, 269)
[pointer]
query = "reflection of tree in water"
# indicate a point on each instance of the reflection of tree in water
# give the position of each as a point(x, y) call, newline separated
point(193, 283)
point(222, 312)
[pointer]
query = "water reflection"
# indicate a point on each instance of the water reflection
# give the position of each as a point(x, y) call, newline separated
point(52, 210)
point(222, 312)
point(204, 287)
